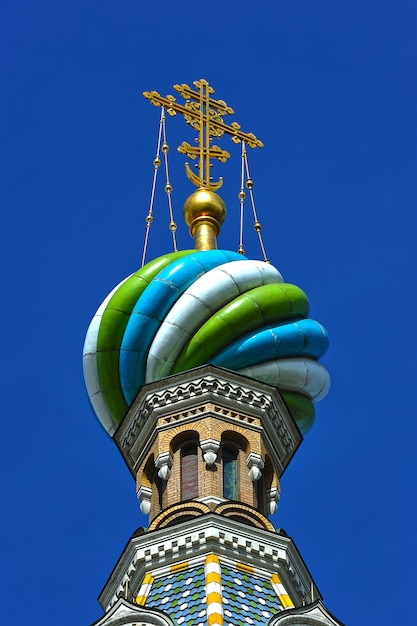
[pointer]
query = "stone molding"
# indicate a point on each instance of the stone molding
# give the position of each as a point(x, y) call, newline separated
point(314, 614)
point(209, 533)
point(207, 389)
point(212, 501)
point(124, 613)
point(196, 508)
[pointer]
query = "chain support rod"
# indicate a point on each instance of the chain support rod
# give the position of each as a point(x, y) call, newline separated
point(242, 196)
point(156, 164)
point(168, 190)
point(257, 225)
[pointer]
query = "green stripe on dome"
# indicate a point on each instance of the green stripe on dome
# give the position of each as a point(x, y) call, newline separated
point(113, 326)
point(254, 309)
point(301, 409)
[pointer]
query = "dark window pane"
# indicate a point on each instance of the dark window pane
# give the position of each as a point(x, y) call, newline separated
point(189, 472)
point(229, 473)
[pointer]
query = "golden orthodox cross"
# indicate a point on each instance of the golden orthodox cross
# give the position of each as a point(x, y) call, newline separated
point(204, 114)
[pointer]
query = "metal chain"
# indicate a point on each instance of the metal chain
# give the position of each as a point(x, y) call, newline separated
point(257, 226)
point(156, 163)
point(168, 189)
point(242, 196)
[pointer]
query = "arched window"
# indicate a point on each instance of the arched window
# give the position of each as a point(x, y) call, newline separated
point(189, 472)
point(160, 490)
point(229, 456)
point(260, 494)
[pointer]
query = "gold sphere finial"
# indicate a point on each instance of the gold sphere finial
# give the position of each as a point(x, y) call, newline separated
point(204, 212)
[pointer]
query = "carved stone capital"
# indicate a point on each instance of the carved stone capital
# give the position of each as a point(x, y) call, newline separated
point(144, 496)
point(163, 463)
point(210, 448)
point(255, 464)
point(272, 496)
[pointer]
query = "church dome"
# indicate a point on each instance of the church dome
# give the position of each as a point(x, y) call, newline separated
point(190, 308)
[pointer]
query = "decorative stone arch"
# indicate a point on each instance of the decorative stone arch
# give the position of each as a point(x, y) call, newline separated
point(244, 513)
point(252, 438)
point(271, 488)
point(270, 476)
point(166, 437)
point(249, 465)
point(189, 458)
point(233, 436)
point(233, 450)
point(147, 476)
point(179, 513)
point(150, 487)
point(183, 438)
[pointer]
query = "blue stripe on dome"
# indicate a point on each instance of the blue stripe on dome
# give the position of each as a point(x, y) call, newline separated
point(305, 337)
point(152, 307)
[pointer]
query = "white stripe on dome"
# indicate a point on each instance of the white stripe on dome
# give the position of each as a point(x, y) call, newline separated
point(198, 303)
point(90, 366)
point(306, 376)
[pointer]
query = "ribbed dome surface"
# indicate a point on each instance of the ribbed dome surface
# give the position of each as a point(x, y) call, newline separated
point(189, 308)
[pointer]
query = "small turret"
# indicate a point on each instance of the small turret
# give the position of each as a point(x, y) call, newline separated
point(203, 367)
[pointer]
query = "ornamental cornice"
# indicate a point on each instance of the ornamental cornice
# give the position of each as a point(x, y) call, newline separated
point(204, 390)
point(209, 533)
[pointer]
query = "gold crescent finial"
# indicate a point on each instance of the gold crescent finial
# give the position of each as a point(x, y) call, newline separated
point(205, 115)
point(204, 210)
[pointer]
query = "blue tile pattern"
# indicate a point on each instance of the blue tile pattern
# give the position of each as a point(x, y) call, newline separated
point(182, 596)
point(247, 600)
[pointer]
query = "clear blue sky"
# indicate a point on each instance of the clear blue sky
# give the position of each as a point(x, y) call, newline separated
point(330, 89)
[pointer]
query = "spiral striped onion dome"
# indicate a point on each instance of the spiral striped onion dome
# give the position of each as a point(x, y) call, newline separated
point(189, 308)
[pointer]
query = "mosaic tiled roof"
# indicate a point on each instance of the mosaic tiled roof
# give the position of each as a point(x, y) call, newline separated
point(247, 599)
point(182, 596)
point(247, 596)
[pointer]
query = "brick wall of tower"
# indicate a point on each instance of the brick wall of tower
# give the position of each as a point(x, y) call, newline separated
point(207, 423)
point(207, 481)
